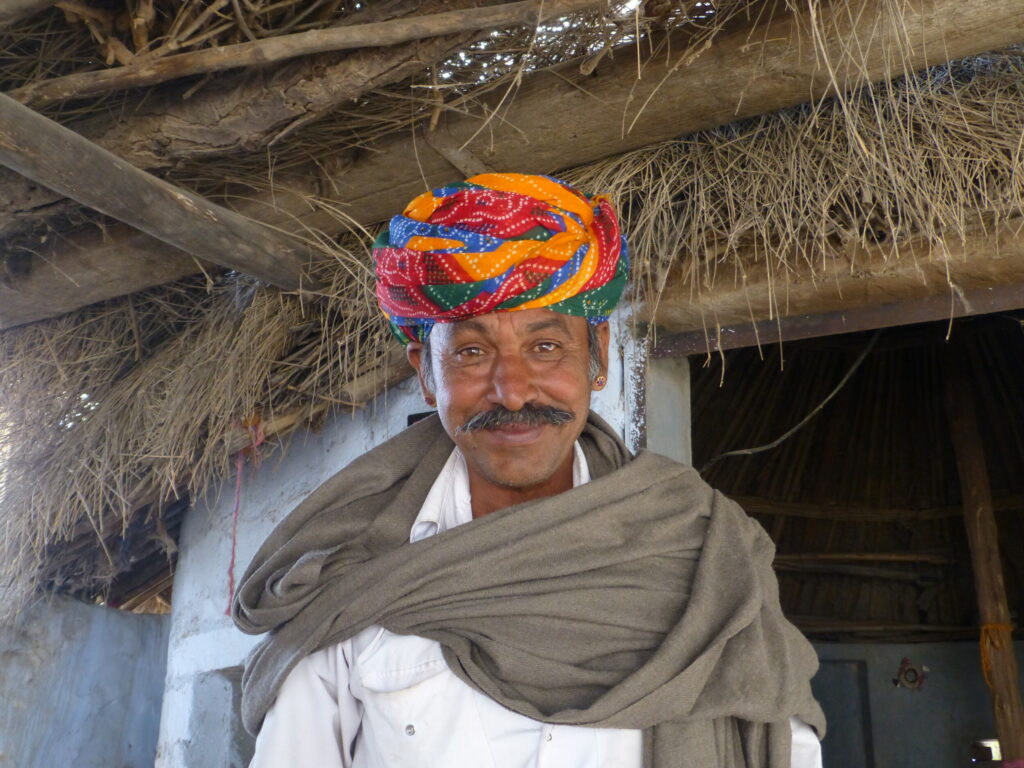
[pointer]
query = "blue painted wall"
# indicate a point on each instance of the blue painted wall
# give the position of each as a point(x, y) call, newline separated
point(81, 685)
point(874, 724)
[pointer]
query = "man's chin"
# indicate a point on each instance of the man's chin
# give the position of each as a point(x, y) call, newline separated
point(519, 458)
point(519, 473)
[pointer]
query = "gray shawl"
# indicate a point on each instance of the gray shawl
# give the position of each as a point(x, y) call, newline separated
point(642, 599)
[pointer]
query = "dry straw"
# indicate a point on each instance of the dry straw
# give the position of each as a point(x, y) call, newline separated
point(111, 410)
point(930, 158)
point(131, 403)
point(493, 64)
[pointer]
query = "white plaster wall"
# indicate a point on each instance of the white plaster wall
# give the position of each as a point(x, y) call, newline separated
point(80, 685)
point(668, 408)
point(617, 403)
point(199, 727)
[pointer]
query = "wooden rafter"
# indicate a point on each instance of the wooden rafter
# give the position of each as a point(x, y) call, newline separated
point(45, 151)
point(980, 274)
point(938, 306)
point(860, 514)
point(933, 558)
point(151, 71)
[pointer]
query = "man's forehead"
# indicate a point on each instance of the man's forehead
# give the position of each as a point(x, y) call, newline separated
point(526, 321)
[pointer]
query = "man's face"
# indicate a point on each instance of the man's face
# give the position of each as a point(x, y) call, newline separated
point(504, 361)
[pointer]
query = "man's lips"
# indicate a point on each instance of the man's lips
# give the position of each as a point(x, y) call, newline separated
point(514, 434)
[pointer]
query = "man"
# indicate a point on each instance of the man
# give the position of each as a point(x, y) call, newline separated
point(504, 584)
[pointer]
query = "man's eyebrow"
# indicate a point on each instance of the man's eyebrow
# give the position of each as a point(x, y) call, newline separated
point(469, 325)
point(551, 322)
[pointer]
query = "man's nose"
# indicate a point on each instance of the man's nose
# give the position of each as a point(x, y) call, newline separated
point(512, 383)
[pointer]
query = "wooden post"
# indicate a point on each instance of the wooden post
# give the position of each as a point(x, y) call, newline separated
point(983, 539)
point(59, 158)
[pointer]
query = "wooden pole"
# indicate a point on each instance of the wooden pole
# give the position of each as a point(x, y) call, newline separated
point(998, 660)
point(59, 158)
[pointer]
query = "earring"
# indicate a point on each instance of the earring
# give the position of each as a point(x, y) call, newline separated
point(599, 382)
point(430, 400)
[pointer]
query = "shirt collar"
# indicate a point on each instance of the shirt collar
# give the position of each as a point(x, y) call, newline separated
point(448, 503)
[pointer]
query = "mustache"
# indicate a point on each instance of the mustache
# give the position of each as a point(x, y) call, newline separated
point(530, 415)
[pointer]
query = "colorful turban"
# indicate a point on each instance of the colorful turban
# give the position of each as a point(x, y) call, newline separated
point(499, 242)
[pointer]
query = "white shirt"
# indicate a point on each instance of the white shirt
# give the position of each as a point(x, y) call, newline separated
point(381, 700)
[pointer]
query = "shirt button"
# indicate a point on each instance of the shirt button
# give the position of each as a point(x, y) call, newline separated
point(410, 730)
point(548, 737)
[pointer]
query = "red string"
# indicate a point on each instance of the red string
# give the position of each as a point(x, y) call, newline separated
point(257, 437)
point(239, 468)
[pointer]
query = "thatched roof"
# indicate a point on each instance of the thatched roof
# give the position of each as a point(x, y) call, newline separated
point(128, 391)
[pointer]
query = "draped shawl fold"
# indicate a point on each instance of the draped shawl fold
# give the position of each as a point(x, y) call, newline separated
point(642, 599)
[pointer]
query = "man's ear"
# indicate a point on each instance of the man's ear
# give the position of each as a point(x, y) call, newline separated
point(414, 354)
point(604, 335)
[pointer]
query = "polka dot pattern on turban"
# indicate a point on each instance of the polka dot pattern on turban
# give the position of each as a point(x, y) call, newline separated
point(499, 242)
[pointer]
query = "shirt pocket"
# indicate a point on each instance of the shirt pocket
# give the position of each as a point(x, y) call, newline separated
point(416, 711)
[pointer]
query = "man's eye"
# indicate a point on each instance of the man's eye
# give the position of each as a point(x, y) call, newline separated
point(547, 346)
point(469, 352)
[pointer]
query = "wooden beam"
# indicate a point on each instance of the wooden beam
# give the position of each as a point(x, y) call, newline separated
point(978, 301)
point(935, 558)
point(742, 73)
point(857, 571)
point(814, 624)
point(981, 274)
point(45, 151)
point(120, 260)
point(164, 581)
point(758, 506)
point(151, 71)
point(997, 651)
